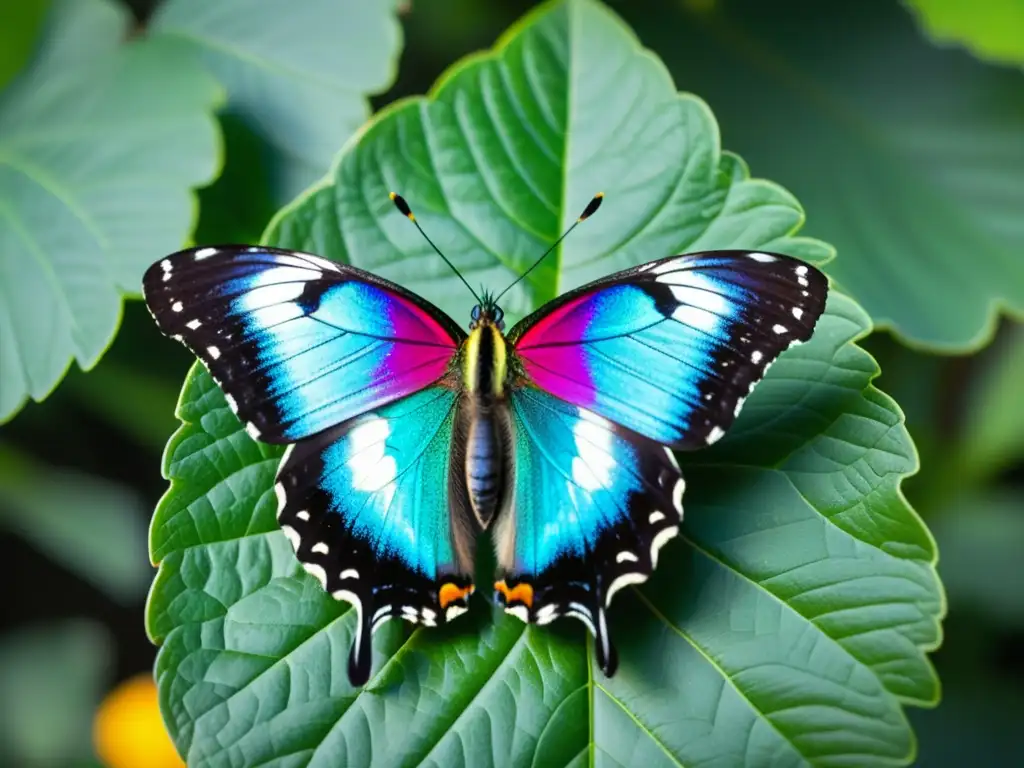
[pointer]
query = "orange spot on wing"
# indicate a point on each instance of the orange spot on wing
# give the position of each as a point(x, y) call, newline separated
point(521, 592)
point(449, 593)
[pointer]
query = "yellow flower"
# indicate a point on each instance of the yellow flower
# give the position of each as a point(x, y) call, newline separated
point(128, 731)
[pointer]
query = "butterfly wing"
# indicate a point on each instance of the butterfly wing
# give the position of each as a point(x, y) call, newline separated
point(670, 349)
point(366, 506)
point(298, 343)
point(591, 506)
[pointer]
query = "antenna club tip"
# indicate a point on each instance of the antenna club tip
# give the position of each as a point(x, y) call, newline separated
point(592, 207)
point(401, 205)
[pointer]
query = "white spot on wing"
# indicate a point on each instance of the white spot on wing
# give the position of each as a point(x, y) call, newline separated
point(282, 497)
point(302, 515)
point(797, 312)
point(454, 611)
point(801, 270)
point(779, 329)
point(213, 352)
point(349, 573)
point(316, 572)
point(625, 556)
point(372, 469)
point(166, 265)
point(701, 303)
point(756, 356)
point(232, 404)
point(193, 324)
point(580, 612)
point(351, 597)
point(763, 257)
point(671, 458)
point(697, 318)
point(253, 430)
point(656, 517)
point(739, 407)
point(520, 612)
point(547, 614)
point(662, 538)
point(592, 467)
point(321, 548)
point(677, 495)
point(634, 577)
point(292, 535)
point(716, 434)
point(177, 306)
point(205, 253)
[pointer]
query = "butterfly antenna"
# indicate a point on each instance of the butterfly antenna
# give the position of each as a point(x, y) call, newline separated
point(589, 211)
point(403, 206)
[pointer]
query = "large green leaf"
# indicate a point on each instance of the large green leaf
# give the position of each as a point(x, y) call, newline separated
point(992, 30)
point(100, 145)
point(907, 157)
point(787, 625)
point(297, 75)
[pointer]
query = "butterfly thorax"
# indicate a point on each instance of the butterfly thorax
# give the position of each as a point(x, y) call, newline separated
point(485, 415)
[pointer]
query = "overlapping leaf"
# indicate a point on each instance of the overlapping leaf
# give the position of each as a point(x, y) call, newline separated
point(100, 145)
point(906, 156)
point(785, 627)
point(297, 77)
point(993, 30)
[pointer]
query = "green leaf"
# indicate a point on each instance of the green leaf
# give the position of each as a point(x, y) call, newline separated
point(20, 24)
point(51, 680)
point(297, 74)
point(907, 158)
point(91, 526)
point(100, 145)
point(992, 30)
point(788, 624)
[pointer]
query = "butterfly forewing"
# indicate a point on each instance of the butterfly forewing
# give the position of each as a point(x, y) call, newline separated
point(672, 348)
point(298, 343)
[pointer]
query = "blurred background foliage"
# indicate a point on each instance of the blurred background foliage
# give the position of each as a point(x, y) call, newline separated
point(898, 127)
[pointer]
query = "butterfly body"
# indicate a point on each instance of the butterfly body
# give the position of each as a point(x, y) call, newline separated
point(409, 436)
point(485, 435)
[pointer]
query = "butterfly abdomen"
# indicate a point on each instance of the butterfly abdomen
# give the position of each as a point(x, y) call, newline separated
point(485, 463)
point(484, 369)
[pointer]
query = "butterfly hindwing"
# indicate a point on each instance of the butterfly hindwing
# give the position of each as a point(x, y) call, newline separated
point(298, 343)
point(369, 509)
point(591, 506)
point(670, 349)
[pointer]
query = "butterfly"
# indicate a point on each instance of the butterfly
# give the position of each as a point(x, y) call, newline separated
point(408, 436)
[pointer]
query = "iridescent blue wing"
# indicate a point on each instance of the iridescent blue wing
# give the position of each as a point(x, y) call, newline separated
point(366, 504)
point(591, 505)
point(298, 343)
point(670, 349)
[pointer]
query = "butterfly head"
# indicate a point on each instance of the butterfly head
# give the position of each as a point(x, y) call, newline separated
point(487, 312)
